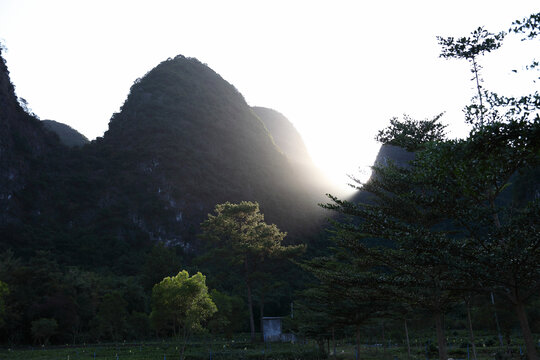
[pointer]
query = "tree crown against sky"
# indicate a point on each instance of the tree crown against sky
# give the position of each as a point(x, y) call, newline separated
point(446, 223)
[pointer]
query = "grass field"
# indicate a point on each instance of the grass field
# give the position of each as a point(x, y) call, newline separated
point(241, 348)
point(166, 350)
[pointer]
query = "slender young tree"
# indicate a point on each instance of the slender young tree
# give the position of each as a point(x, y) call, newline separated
point(472, 48)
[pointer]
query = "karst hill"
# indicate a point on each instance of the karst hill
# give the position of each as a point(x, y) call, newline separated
point(191, 139)
point(184, 140)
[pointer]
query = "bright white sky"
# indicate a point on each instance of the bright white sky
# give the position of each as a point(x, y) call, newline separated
point(339, 70)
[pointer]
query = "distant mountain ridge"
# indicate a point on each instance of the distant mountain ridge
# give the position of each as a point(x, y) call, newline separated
point(68, 136)
point(284, 134)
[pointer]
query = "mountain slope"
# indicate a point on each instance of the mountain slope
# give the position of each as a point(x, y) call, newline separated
point(289, 141)
point(187, 137)
point(284, 134)
point(68, 136)
point(23, 143)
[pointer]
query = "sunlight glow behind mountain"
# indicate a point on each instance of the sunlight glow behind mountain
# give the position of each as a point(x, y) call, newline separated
point(338, 70)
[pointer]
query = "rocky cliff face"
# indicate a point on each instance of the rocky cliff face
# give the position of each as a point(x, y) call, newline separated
point(387, 153)
point(394, 154)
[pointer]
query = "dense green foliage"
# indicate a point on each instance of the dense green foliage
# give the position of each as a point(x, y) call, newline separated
point(181, 303)
point(43, 329)
point(410, 134)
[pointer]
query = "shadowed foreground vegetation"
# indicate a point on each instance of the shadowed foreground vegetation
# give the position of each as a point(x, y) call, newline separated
point(240, 347)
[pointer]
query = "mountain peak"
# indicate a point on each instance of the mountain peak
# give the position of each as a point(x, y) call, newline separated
point(193, 133)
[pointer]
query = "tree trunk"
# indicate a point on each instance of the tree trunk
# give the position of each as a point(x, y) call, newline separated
point(408, 343)
point(471, 333)
point(334, 341)
point(184, 343)
point(261, 310)
point(383, 338)
point(497, 223)
point(250, 303)
point(497, 321)
point(479, 88)
point(328, 345)
point(441, 338)
point(320, 344)
point(526, 330)
point(357, 342)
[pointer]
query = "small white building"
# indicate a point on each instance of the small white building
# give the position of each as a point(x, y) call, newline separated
point(271, 329)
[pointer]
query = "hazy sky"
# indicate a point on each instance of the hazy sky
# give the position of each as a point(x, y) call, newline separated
point(339, 70)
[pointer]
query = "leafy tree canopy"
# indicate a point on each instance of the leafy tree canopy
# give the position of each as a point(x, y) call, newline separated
point(181, 303)
point(410, 134)
point(238, 233)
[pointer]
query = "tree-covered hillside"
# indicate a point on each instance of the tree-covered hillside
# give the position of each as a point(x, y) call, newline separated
point(190, 136)
point(68, 136)
point(24, 145)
